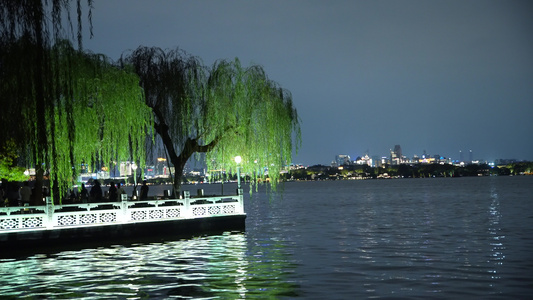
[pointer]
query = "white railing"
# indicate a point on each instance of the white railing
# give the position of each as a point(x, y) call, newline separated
point(49, 216)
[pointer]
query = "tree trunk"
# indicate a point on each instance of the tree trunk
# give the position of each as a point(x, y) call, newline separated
point(189, 148)
point(173, 158)
point(178, 174)
point(38, 187)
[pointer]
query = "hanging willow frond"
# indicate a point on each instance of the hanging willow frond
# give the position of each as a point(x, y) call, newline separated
point(110, 118)
point(35, 85)
point(264, 124)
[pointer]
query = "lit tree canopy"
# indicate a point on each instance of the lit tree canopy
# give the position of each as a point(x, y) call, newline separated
point(28, 29)
point(61, 106)
point(8, 169)
point(110, 118)
point(98, 112)
point(225, 111)
point(248, 115)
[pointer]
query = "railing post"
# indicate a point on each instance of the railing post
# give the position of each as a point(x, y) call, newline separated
point(123, 208)
point(49, 213)
point(187, 204)
point(241, 201)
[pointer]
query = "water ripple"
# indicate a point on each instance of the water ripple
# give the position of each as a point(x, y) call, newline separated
point(394, 239)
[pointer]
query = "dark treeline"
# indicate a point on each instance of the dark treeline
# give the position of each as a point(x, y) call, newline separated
point(320, 172)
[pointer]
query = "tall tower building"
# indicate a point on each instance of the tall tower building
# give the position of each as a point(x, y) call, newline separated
point(461, 158)
point(396, 155)
point(398, 151)
point(470, 156)
point(342, 160)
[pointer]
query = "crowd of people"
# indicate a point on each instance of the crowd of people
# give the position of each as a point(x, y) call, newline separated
point(12, 194)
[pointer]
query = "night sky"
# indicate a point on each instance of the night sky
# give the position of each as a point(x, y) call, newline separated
point(440, 76)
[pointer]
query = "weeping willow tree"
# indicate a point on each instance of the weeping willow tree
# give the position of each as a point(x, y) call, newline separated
point(246, 114)
point(98, 113)
point(61, 106)
point(224, 111)
point(108, 120)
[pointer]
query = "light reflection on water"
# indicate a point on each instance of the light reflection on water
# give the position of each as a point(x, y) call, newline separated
point(420, 238)
point(494, 230)
point(423, 238)
point(205, 267)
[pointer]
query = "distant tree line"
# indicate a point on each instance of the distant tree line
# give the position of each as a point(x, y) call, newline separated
point(320, 172)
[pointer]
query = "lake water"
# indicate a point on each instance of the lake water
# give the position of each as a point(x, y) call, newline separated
point(401, 238)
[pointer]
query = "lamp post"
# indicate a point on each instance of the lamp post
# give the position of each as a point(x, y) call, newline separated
point(238, 160)
point(134, 167)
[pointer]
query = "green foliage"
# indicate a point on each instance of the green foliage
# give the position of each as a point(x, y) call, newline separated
point(35, 83)
point(92, 111)
point(252, 117)
point(8, 170)
point(110, 118)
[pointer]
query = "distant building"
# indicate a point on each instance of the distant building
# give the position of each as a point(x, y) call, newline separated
point(341, 160)
point(296, 166)
point(376, 161)
point(365, 160)
point(470, 157)
point(441, 159)
point(383, 161)
point(396, 155)
point(505, 161)
point(398, 150)
point(426, 160)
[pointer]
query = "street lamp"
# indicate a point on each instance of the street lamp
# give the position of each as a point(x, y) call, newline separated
point(238, 160)
point(134, 167)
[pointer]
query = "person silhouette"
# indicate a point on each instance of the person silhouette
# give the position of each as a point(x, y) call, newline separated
point(84, 194)
point(96, 192)
point(120, 191)
point(25, 193)
point(112, 192)
point(144, 191)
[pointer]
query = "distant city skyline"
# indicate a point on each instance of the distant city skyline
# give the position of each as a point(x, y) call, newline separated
point(396, 152)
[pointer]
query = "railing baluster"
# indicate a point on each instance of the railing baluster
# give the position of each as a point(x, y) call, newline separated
point(49, 210)
point(187, 207)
